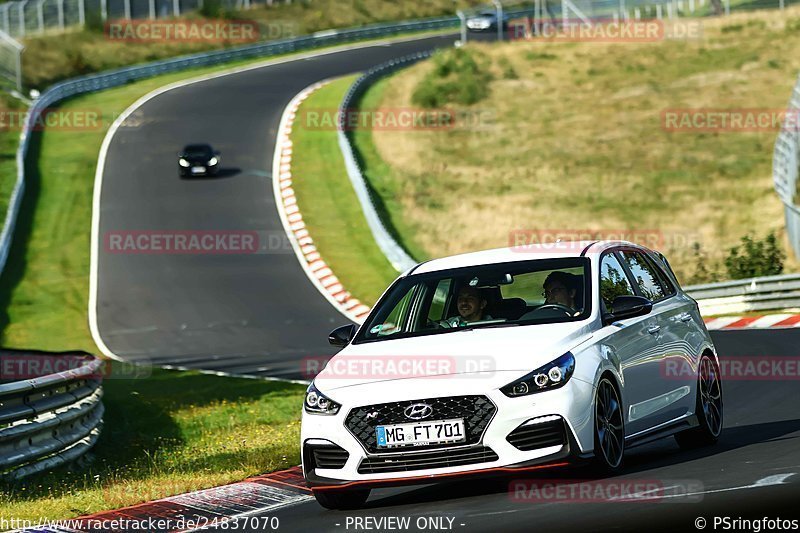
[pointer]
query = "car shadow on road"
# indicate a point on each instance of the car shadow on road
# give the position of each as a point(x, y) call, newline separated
point(221, 174)
point(659, 454)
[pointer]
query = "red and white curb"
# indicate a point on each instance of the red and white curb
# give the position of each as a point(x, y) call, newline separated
point(227, 507)
point(778, 320)
point(313, 264)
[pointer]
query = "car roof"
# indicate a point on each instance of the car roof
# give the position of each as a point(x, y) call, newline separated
point(196, 147)
point(522, 252)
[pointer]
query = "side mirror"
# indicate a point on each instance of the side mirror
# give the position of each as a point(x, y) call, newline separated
point(627, 307)
point(343, 335)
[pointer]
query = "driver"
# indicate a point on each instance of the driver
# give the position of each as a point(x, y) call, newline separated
point(560, 288)
point(471, 306)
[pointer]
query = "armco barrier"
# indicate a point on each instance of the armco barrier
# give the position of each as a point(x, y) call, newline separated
point(395, 253)
point(50, 419)
point(753, 294)
point(114, 78)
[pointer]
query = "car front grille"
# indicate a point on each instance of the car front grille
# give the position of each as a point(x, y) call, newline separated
point(533, 436)
point(404, 462)
point(477, 412)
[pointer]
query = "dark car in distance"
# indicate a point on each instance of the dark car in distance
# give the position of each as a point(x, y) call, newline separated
point(198, 160)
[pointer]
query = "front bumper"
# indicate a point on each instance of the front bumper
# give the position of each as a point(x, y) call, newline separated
point(570, 403)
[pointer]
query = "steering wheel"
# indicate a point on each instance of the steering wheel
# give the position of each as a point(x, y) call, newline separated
point(556, 307)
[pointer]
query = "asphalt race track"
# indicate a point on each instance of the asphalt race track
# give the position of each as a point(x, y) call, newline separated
point(753, 471)
point(258, 314)
point(252, 314)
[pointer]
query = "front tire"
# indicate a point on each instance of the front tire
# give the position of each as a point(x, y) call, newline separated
point(708, 408)
point(609, 428)
point(342, 500)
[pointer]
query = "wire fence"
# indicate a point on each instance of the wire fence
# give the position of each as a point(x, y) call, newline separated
point(785, 167)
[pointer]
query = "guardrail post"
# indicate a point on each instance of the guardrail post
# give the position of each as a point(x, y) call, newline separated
point(127, 7)
point(499, 14)
point(82, 12)
point(176, 8)
point(151, 4)
point(463, 19)
point(104, 10)
point(60, 6)
point(40, 14)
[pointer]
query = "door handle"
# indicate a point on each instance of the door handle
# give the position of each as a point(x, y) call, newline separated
point(686, 317)
point(653, 329)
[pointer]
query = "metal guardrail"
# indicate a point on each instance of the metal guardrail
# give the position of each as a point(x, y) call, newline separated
point(753, 294)
point(395, 253)
point(50, 419)
point(115, 78)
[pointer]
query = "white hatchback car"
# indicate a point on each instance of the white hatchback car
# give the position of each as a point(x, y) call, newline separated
point(511, 360)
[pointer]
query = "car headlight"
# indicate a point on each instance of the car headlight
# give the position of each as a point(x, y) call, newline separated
point(182, 162)
point(550, 376)
point(213, 161)
point(317, 403)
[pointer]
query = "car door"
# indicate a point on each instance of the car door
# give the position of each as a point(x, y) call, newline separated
point(668, 396)
point(629, 343)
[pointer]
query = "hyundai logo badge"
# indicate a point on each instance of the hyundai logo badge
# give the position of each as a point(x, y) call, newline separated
point(418, 411)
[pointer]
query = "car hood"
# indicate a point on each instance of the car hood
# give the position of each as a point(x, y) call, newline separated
point(493, 354)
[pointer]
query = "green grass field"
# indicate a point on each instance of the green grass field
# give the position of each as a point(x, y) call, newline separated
point(167, 434)
point(571, 138)
point(329, 205)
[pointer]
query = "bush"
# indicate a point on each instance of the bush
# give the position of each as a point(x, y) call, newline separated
point(459, 76)
point(754, 258)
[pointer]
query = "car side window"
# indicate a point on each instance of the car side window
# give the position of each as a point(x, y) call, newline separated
point(663, 278)
point(613, 281)
point(645, 276)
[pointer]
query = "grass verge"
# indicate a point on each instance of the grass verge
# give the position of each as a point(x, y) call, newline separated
point(329, 204)
point(51, 58)
point(571, 138)
point(167, 434)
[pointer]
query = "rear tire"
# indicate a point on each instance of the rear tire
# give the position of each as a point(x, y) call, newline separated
point(343, 500)
point(708, 408)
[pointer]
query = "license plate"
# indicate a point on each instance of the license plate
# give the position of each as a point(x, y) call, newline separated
point(198, 170)
point(421, 433)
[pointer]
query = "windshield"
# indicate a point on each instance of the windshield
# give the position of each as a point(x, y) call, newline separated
point(197, 151)
point(507, 294)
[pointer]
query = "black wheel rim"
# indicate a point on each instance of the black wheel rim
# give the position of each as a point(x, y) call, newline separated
point(608, 424)
point(711, 395)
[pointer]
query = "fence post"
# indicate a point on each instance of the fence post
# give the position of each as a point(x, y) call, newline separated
point(104, 10)
point(463, 19)
point(81, 12)
point(6, 22)
point(40, 15)
point(60, 14)
point(127, 4)
point(152, 9)
point(22, 17)
point(176, 8)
